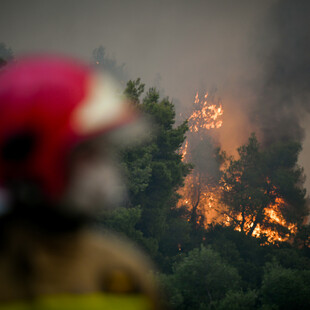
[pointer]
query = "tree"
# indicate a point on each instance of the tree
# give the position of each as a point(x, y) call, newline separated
point(201, 186)
point(133, 91)
point(167, 169)
point(177, 238)
point(302, 239)
point(124, 221)
point(238, 300)
point(285, 288)
point(200, 279)
point(200, 193)
point(154, 170)
point(243, 252)
point(263, 189)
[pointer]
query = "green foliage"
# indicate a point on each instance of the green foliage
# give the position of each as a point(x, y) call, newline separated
point(171, 296)
point(138, 170)
point(289, 257)
point(238, 300)
point(285, 288)
point(156, 166)
point(259, 277)
point(124, 221)
point(200, 279)
point(228, 271)
point(241, 251)
point(134, 90)
point(177, 238)
point(203, 277)
point(154, 170)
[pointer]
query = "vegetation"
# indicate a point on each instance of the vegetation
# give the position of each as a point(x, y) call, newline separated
point(155, 171)
point(217, 267)
point(262, 183)
point(222, 266)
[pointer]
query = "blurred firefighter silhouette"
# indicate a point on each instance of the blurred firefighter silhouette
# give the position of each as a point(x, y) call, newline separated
point(56, 118)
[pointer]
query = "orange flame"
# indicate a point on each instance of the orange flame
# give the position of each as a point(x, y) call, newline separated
point(205, 116)
point(203, 196)
point(273, 216)
point(201, 193)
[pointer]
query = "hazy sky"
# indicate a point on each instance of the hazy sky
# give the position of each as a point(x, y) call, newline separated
point(185, 42)
point(179, 46)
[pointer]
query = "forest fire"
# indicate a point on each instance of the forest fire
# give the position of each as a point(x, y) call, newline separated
point(202, 191)
point(205, 115)
point(273, 217)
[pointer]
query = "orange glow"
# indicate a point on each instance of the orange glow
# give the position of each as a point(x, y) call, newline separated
point(185, 150)
point(273, 216)
point(200, 192)
point(202, 195)
point(205, 115)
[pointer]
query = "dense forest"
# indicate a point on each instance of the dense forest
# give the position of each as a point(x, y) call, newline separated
point(220, 265)
point(224, 264)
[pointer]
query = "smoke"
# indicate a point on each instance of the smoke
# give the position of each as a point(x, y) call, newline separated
point(283, 92)
point(103, 62)
point(256, 53)
point(204, 158)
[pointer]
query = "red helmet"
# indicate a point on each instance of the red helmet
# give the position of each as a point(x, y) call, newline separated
point(48, 105)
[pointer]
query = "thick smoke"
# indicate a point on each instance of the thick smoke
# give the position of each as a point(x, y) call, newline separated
point(187, 44)
point(284, 95)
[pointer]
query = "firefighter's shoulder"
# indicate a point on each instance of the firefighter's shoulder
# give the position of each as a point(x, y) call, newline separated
point(84, 271)
point(121, 265)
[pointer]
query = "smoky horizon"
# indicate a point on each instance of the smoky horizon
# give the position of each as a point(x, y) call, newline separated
point(254, 56)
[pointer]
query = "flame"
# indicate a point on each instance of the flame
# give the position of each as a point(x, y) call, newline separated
point(205, 116)
point(272, 216)
point(185, 150)
point(202, 195)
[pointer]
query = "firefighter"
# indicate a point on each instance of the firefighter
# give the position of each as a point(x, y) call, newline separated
point(56, 118)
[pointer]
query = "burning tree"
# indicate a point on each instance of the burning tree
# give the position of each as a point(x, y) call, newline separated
point(200, 192)
point(259, 194)
point(263, 190)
